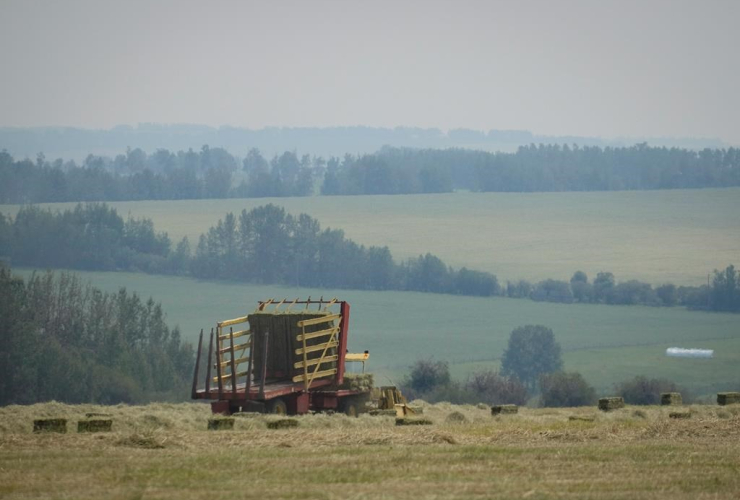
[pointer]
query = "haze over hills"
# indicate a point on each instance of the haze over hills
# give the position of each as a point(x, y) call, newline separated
point(76, 143)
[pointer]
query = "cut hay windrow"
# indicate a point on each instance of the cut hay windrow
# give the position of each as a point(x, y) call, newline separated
point(95, 425)
point(679, 414)
point(220, 424)
point(382, 413)
point(413, 421)
point(456, 418)
point(98, 415)
point(283, 423)
point(504, 409)
point(582, 418)
point(728, 398)
point(50, 425)
point(671, 399)
point(610, 404)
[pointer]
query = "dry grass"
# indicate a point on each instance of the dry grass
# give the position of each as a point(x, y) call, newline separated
point(165, 451)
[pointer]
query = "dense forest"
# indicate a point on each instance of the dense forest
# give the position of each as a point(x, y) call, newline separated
point(70, 342)
point(215, 173)
point(267, 245)
point(533, 168)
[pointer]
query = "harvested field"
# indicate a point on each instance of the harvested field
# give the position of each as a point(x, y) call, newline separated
point(164, 451)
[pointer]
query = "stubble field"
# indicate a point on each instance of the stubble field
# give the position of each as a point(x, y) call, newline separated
point(164, 452)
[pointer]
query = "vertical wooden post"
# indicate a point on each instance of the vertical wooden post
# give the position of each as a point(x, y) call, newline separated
point(194, 391)
point(305, 359)
point(342, 347)
point(266, 336)
point(249, 367)
point(218, 363)
point(233, 364)
point(208, 370)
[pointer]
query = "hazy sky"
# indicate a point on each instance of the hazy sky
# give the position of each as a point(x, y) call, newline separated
point(592, 68)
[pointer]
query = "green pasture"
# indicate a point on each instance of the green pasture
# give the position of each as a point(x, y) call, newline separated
point(606, 343)
point(676, 236)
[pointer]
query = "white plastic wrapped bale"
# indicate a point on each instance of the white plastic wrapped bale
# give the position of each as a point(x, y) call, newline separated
point(678, 352)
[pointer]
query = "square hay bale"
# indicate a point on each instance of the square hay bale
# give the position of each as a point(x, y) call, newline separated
point(671, 399)
point(95, 425)
point(50, 425)
point(680, 414)
point(504, 409)
point(220, 424)
point(413, 421)
point(609, 404)
point(283, 423)
point(281, 329)
point(728, 398)
point(363, 382)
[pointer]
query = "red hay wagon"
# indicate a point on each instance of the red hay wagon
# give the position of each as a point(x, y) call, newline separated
point(286, 361)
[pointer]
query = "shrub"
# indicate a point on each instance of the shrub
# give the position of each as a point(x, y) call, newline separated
point(493, 388)
point(646, 391)
point(426, 375)
point(452, 392)
point(561, 389)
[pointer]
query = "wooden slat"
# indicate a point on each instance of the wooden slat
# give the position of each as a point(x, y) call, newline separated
point(238, 334)
point(357, 357)
point(320, 333)
point(237, 361)
point(239, 347)
point(325, 373)
point(318, 347)
point(312, 362)
point(227, 376)
point(318, 321)
point(234, 321)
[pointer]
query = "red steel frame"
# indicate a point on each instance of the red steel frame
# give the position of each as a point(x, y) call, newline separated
point(297, 399)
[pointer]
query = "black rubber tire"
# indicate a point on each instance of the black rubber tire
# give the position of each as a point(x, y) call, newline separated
point(350, 408)
point(277, 407)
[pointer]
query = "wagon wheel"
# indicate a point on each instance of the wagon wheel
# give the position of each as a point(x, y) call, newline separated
point(350, 407)
point(277, 407)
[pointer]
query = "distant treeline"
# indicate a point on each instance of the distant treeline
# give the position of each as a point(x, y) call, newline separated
point(65, 341)
point(267, 245)
point(214, 173)
point(533, 168)
point(722, 295)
